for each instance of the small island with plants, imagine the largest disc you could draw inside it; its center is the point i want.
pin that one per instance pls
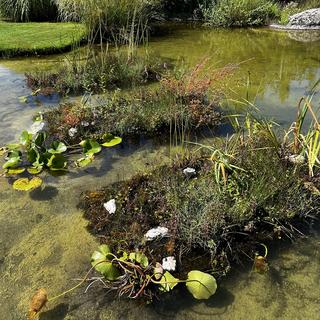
(107, 79)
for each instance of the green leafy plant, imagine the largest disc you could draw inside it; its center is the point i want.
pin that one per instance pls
(36, 152)
(239, 13)
(132, 275)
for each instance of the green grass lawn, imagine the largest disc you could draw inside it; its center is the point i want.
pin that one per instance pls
(38, 38)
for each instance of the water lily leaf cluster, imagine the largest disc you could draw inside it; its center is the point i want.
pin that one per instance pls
(38, 151)
(133, 275)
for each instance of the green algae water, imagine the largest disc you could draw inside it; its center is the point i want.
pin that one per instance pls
(43, 237)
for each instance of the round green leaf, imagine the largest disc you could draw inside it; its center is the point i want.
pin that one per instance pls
(34, 170)
(90, 146)
(57, 147)
(25, 138)
(12, 162)
(110, 140)
(101, 261)
(15, 171)
(57, 162)
(83, 162)
(24, 184)
(168, 282)
(13, 146)
(201, 285)
(140, 258)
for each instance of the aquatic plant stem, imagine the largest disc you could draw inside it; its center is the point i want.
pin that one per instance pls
(78, 285)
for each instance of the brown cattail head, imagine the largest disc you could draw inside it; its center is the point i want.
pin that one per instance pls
(38, 301)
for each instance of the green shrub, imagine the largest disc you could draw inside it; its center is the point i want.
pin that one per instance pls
(28, 10)
(239, 13)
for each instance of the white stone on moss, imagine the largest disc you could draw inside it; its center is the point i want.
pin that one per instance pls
(169, 263)
(110, 206)
(156, 232)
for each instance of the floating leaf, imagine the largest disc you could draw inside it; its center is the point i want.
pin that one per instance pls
(25, 138)
(40, 139)
(12, 162)
(13, 146)
(57, 162)
(34, 170)
(201, 285)
(33, 155)
(14, 159)
(82, 162)
(15, 171)
(101, 261)
(57, 147)
(24, 184)
(168, 282)
(110, 140)
(140, 258)
(23, 99)
(90, 146)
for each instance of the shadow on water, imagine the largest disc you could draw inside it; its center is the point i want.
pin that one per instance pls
(181, 299)
(44, 194)
(57, 313)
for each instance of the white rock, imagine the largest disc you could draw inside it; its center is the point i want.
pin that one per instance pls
(110, 206)
(169, 263)
(156, 232)
(37, 126)
(85, 123)
(189, 172)
(297, 159)
(72, 132)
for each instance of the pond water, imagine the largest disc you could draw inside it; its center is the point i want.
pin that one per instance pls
(43, 239)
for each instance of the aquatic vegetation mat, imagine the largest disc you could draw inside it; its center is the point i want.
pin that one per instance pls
(37, 151)
(210, 210)
(181, 103)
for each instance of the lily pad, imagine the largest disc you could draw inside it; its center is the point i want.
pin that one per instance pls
(168, 282)
(101, 261)
(12, 162)
(57, 147)
(110, 140)
(140, 258)
(34, 170)
(90, 146)
(201, 285)
(15, 171)
(24, 184)
(83, 162)
(25, 138)
(57, 162)
(14, 159)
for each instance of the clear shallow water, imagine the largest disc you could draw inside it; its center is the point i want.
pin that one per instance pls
(43, 240)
